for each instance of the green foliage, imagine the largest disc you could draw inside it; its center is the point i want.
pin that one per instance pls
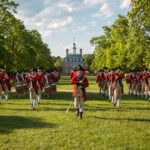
(88, 59)
(19, 47)
(58, 64)
(126, 42)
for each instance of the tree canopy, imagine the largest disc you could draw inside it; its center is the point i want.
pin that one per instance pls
(126, 42)
(20, 48)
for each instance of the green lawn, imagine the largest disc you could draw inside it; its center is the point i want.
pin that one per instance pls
(49, 128)
(64, 83)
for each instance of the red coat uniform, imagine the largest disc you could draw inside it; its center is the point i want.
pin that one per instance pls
(75, 82)
(33, 79)
(72, 74)
(2, 75)
(50, 78)
(100, 78)
(133, 78)
(144, 76)
(138, 77)
(40, 79)
(7, 82)
(110, 78)
(17, 78)
(120, 77)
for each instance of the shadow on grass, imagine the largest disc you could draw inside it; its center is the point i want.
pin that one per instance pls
(9, 123)
(121, 119)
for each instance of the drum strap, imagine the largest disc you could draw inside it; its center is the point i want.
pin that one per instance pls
(47, 79)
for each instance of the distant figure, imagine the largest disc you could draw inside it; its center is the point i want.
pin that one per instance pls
(33, 87)
(40, 85)
(2, 75)
(7, 85)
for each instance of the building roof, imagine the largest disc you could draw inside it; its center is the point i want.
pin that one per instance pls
(74, 56)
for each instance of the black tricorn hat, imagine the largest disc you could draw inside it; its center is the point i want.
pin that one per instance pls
(1, 67)
(79, 67)
(33, 69)
(105, 68)
(39, 67)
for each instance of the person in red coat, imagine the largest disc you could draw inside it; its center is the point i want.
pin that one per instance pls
(56, 75)
(133, 82)
(144, 82)
(100, 79)
(110, 79)
(2, 74)
(118, 86)
(48, 78)
(79, 94)
(7, 85)
(33, 87)
(138, 83)
(72, 73)
(40, 84)
(17, 81)
(17, 78)
(129, 82)
(105, 87)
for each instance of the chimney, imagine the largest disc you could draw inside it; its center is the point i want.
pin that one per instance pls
(67, 52)
(81, 52)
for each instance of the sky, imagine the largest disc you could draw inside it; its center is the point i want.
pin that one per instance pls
(61, 22)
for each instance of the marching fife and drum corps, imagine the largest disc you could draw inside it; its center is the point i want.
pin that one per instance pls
(110, 83)
(33, 83)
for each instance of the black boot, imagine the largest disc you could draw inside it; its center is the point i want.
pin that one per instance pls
(81, 115)
(77, 112)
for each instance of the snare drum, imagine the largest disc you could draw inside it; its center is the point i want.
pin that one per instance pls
(48, 90)
(25, 87)
(19, 88)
